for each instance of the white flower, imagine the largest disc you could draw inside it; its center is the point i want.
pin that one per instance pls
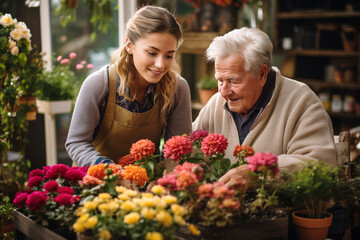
(25, 33)
(14, 51)
(15, 34)
(6, 20)
(11, 43)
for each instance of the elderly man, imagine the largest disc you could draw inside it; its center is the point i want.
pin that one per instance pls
(259, 107)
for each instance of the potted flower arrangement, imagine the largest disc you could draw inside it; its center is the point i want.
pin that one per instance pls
(311, 190)
(207, 86)
(58, 87)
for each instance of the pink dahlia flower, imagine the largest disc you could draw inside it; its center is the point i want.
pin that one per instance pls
(20, 200)
(176, 147)
(51, 186)
(214, 144)
(66, 189)
(260, 160)
(65, 199)
(190, 167)
(198, 135)
(142, 148)
(34, 181)
(56, 171)
(74, 175)
(36, 200)
(168, 181)
(36, 172)
(185, 179)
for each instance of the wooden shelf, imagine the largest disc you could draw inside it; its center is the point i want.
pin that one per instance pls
(344, 115)
(317, 52)
(317, 14)
(197, 42)
(332, 85)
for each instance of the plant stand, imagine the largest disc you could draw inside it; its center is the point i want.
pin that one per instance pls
(50, 109)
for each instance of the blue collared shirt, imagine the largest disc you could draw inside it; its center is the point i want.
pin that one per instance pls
(244, 124)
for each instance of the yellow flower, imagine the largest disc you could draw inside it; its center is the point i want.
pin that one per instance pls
(104, 196)
(123, 197)
(130, 193)
(91, 222)
(83, 218)
(128, 206)
(104, 235)
(148, 213)
(80, 211)
(157, 189)
(194, 230)
(79, 227)
(153, 236)
(147, 202)
(164, 217)
(179, 220)
(160, 203)
(113, 206)
(104, 208)
(120, 189)
(132, 218)
(147, 195)
(177, 209)
(90, 205)
(169, 199)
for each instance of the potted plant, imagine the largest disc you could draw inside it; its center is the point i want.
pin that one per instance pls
(311, 190)
(58, 87)
(207, 86)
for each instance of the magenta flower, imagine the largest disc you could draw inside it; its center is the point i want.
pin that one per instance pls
(262, 161)
(214, 144)
(56, 171)
(34, 181)
(36, 200)
(74, 175)
(51, 186)
(20, 200)
(64, 61)
(168, 181)
(65, 199)
(176, 147)
(72, 55)
(36, 172)
(90, 66)
(198, 135)
(45, 169)
(66, 189)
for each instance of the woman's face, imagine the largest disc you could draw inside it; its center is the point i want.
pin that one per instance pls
(153, 56)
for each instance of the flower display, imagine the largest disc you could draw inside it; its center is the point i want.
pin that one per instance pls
(176, 147)
(142, 148)
(222, 3)
(135, 174)
(130, 215)
(52, 195)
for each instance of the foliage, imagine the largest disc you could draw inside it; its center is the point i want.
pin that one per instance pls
(311, 187)
(67, 11)
(207, 82)
(6, 209)
(60, 83)
(20, 67)
(222, 3)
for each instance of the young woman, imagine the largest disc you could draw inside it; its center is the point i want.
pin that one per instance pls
(138, 96)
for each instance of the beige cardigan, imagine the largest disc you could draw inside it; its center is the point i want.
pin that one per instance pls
(294, 125)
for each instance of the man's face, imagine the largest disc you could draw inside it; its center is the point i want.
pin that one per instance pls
(240, 89)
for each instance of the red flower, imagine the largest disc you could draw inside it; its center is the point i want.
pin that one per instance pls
(36, 172)
(36, 200)
(66, 189)
(127, 160)
(262, 161)
(34, 181)
(74, 175)
(198, 135)
(51, 186)
(20, 200)
(176, 147)
(45, 169)
(214, 144)
(142, 148)
(244, 150)
(65, 199)
(56, 171)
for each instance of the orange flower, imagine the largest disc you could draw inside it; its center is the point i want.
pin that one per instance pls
(97, 171)
(126, 160)
(117, 169)
(142, 148)
(135, 174)
(248, 151)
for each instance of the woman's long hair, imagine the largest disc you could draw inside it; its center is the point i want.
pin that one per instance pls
(149, 19)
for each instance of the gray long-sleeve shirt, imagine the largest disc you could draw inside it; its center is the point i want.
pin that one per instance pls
(86, 117)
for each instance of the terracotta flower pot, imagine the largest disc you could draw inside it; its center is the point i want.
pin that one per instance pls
(31, 102)
(310, 228)
(206, 94)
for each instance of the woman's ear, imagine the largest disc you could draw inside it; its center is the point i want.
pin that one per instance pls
(128, 46)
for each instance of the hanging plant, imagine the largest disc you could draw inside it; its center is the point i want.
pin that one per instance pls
(67, 10)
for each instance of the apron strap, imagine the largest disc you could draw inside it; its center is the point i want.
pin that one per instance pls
(112, 83)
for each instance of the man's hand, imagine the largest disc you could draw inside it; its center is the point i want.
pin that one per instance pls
(235, 174)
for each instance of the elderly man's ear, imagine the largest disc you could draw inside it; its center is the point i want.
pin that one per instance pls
(263, 74)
